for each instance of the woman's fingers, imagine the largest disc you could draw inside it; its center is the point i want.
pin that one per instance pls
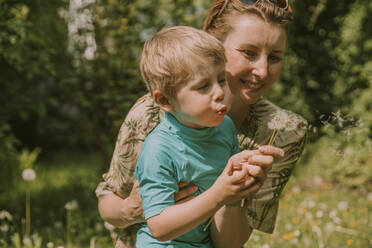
(272, 150)
(184, 191)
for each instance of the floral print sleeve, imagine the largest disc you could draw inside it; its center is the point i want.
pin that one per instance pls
(264, 207)
(140, 121)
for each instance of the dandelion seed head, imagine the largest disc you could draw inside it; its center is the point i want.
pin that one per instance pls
(296, 189)
(319, 214)
(5, 215)
(28, 174)
(108, 226)
(4, 228)
(266, 246)
(71, 205)
(369, 196)
(333, 214)
(343, 205)
(330, 227)
(50, 245)
(281, 121)
(58, 224)
(255, 237)
(27, 241)
(311, 204)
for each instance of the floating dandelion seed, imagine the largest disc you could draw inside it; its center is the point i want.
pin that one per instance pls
(28, 174)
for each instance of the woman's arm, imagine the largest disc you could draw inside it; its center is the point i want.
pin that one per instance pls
(128, 211)
(121, 212)
(230, 228)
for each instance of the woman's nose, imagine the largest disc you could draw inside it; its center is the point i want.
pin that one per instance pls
(260, 69)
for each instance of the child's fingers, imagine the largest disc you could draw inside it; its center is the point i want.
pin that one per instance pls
(256, 172)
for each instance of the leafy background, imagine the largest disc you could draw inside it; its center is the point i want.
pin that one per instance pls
(69, 74)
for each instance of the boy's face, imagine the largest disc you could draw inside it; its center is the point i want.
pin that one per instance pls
(204, 100)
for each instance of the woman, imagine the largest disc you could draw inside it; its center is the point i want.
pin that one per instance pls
(254, 35)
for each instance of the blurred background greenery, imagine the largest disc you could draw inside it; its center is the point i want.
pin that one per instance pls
(69, 74)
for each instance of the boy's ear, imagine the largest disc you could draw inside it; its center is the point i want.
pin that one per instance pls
(162, 100)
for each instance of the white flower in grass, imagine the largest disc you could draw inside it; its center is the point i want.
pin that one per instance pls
(4, 228)
(5, 215)
(108, 226)
(71, 205)
(319, 214)
(50, 245)
(297, 233)
(28, 174)
(27, 241)
(343, 206)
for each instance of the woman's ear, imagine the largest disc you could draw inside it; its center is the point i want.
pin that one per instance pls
(162, 100)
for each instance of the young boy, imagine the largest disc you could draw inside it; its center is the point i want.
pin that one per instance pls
(184, 70)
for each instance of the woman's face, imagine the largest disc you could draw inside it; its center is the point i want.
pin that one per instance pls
(254, 51)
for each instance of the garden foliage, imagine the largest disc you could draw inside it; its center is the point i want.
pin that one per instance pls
(69, 69)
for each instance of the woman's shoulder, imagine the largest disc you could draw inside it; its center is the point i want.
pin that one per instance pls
(144, 115)
(294, 126)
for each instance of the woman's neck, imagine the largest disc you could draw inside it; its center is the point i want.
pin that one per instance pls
(238, 112)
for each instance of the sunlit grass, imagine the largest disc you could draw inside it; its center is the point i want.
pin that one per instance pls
(317, 213)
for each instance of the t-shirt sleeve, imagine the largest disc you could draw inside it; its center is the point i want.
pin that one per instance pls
(157, 180)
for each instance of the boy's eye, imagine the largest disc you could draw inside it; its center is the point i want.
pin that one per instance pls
(203, 87)
(222, 81)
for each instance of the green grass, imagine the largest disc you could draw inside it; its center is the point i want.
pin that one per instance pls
(317, 213)
(312, 213)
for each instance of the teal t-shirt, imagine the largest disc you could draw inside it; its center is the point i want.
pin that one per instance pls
(173, 153)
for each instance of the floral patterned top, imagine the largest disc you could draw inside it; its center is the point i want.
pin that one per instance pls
(262, 211)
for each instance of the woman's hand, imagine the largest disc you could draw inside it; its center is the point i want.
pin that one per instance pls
(185, 191)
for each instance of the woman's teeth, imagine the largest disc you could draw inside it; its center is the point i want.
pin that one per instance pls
(252, 85)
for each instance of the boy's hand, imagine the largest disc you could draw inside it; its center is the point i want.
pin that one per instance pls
(246, 172)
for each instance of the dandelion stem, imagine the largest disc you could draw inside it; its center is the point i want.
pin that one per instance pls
(208, 224)
(68, 215)
(273, 136)
(28, 213)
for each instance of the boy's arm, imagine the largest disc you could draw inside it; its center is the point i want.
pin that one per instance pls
(229, 187)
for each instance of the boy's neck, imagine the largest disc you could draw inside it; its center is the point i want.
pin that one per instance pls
(238, 112)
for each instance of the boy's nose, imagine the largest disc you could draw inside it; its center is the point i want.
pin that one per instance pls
(219, 93)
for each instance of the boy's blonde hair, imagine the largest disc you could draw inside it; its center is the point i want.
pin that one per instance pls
(173, 55)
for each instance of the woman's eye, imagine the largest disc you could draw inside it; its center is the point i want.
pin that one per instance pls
(249, 53)
(274, 59)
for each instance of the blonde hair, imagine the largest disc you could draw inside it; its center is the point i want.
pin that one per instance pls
(173, 55)
(218, 21)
